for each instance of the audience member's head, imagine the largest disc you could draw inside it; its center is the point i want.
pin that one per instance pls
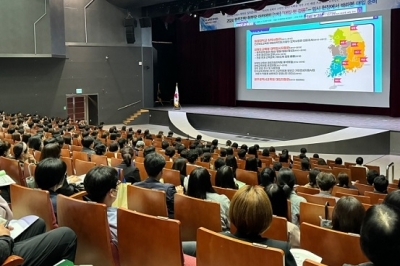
(277, 166)
(192, 156)
(206, 157)
(278, 200)
(222, 153)
(51, 150)
(305, 164)
(315, 156)
(242, 154)
(164, 144)
(170, 152)
(250, 211)
(224, 178)
(326, 181)
(265, 152)
(50, 174)
(229, 151)
(343, 180)
(371, 175)
(303, 151)
(35, 143)
(199, 183)
(321, 161)
(87, 142)
(286, 180)
(180, 165)
(101, 184)
(284, 158)
(148, 150)
(100, 149)
(235, 145)
(251, 164)
(381, 184)
(127, 155)
(338, 160)
(380, 234)
(272, 149)
(393, 199)
(218, 163)
(114, 147)
(267, 176)
(20, 151)
(359, 161)
(348, 215)
(154, 164)
(231, 161)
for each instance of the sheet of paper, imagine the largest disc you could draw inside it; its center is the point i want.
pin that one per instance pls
(300, 255)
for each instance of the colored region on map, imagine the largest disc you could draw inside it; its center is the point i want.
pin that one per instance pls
(348, 51)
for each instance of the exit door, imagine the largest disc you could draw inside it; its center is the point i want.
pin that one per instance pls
(83, 107)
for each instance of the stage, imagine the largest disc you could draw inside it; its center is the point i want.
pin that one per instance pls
(332, 133)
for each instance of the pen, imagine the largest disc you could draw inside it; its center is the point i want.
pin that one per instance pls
(6, 224)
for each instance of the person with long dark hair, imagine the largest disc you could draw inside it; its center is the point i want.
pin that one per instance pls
(131, 173)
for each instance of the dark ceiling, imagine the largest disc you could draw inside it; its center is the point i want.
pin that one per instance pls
(136, 3)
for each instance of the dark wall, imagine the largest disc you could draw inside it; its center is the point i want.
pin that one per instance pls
(17, 19)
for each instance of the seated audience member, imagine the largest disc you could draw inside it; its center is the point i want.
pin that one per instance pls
(148, 150)
(359, 163)
(392, 199)
(113, 147)
(265, 152)
(206, 157)
(251, 213)
(231, 161)
(343, 181)
(284, 158)
(326, 182)
(38, 247)
(21, 154)
(312, 178)
(272, 150)
(224, 178)
(192, 156)
(338, 161)
(139, 147)
(164, 145)
(200, 187)
(131, 173)
(121, 143)
(286, 180)
(267, 176)
(321, 161)
(35, 143)
(88, 143)
(253, 151)
(305, 164)
(242, 154)
(235, 145)
(100, 149)
(214, 145)
(380, 234)
(170, 134)
(371, 176)
(51, 150)
(222, 153)
(302, 156)
(286, 151)
(315, 156)
(170, 152)
(244, 147)
(154, 164)
(180, 165)
(303, 151)
(218, 163)
(348, 215)
(184, 153)
(50, 175)
(280, 208)
(228, 143)
(381, 184)
(277, 166)
(229, 151)
(251, 164)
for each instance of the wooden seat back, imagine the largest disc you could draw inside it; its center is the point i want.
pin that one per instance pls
(172, 176)
(13, 170)
(99, 159)
(147, 201)
(373, 167)
(76, 147)
(362, 188)
(358, 173)
(134, 243)
(28, 201)
(37, 155)
(204, 164)
(142, 170)
(247, 177)
(310, 213)
(375, 197)
(362, 199)
(82, 167)
(194, 213)
(78, 155)
(309, 262)
(306, 190)
(13, 260)
(337, 171)
(139, 159)
(190, 168)
(332, 246)
(213, 174)
(318, 199)
(301, 176)
(337, 189)
(215, 249)
(115, 162)
(65, 153)
(277, 230)
(225, 191)
(89, 221)
(70, 166)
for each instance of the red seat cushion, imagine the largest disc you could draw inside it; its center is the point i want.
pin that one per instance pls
(189, 260)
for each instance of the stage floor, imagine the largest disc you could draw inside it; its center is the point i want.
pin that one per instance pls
(319, 118)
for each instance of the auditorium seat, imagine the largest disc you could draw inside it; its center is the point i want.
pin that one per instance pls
(171, 176)
(310, 213)
(78, 155)
(13, 260)
(13, 170)
(309, 262)
(89, 221)
(358, 173)
(225, 191)
(373, 167)
(247, 177)
(65, 153)
(213, 174)
(70, 166)
(337, 189)
(134, 243)
(142, 170)
(194, 213)
(190, 168)
(362, 188)
(301, 177)
(337, 170)
(204, 164)
(317, 199)
(336, 248)
(277, 230)
(28, 201)
(375, 197)
(147, 201)
(99, 159)
(215, 249)
(362, 199)
(114, 162)
(82, 167)
(307, 190)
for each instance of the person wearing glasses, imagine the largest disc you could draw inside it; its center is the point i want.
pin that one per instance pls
(101, 184)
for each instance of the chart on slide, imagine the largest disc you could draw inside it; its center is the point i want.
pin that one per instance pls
(343, 55)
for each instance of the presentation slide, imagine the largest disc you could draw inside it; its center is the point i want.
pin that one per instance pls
(338, 55)
(341, 60)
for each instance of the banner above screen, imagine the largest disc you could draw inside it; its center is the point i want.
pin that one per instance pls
(307, 9)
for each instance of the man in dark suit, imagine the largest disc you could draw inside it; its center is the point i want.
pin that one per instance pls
(154, 164)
